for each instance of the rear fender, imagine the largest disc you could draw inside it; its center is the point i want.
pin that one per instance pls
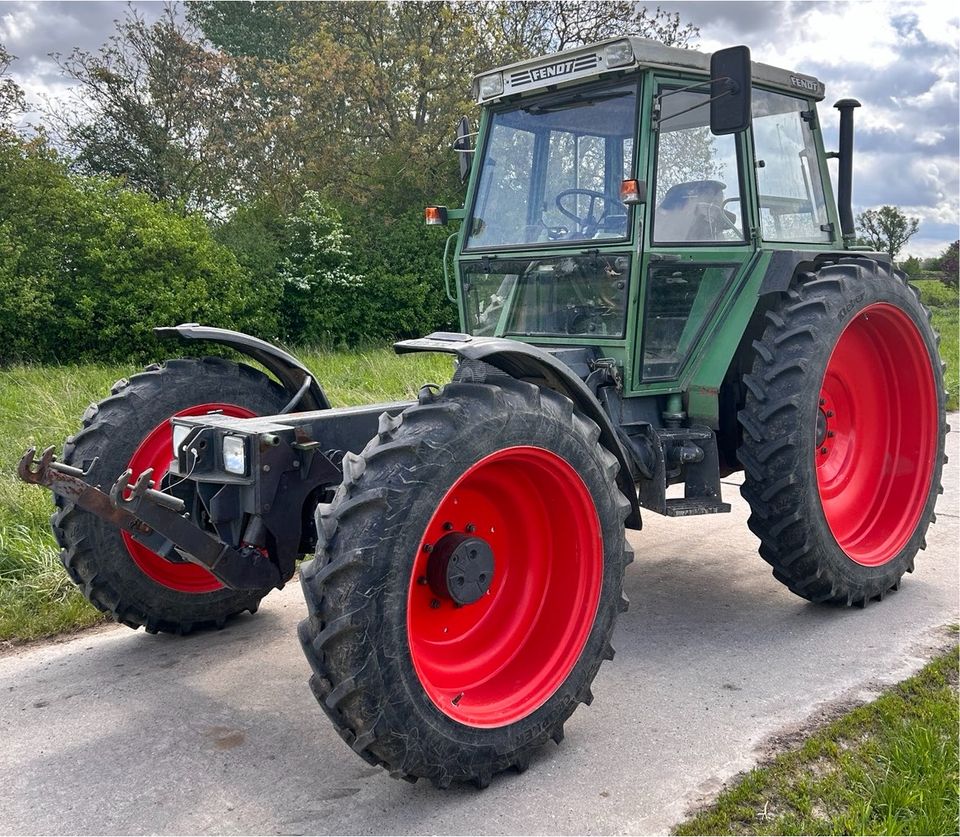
(283, 366)
(530, 363)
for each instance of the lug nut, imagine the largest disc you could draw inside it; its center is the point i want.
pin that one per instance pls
(829, 413)
(428, 547)
(823, 450)
(471, 527)
(831, 434)
(435, 603)
(422, 580)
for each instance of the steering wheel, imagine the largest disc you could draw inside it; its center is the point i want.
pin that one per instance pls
(587, 224)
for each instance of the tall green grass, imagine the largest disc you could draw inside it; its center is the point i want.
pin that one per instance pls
(42, 405)
(944, 303)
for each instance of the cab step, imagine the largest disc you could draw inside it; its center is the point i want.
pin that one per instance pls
(689, 506)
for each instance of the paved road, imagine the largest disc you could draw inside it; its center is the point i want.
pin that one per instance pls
(123, 732)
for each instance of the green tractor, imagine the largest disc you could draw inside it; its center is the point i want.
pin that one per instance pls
(656, 288)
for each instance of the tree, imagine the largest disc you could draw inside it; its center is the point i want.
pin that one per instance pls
(361, 105)
(514, 31)
(949, 269)
(11, 96)
(886, 229)
(912, 266)
(159, 108)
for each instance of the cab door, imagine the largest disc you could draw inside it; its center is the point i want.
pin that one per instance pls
(697, 235)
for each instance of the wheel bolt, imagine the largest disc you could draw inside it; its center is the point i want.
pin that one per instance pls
(823, 450)
(823, 401)
(471, 527)
(829, 413)
(447, 526)
(831, 434)
(434, 603)
(422, 580)
(428, 547)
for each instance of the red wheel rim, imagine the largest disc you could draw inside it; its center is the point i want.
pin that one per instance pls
(495, 661)
(876, 434)
(156, 451)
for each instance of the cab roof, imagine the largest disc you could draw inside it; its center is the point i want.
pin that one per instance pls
(604, 57)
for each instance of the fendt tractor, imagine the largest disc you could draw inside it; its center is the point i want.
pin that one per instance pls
(655, 288)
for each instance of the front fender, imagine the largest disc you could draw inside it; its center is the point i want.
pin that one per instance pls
(284, 366)
(533, 364)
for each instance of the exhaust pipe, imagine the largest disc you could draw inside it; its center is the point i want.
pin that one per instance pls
(845, 174)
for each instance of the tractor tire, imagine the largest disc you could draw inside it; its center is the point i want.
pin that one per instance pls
(419, 676)
(118, 575)
(843, 432)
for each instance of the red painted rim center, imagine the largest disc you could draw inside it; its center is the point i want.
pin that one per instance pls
(879, 423)
(156, 451)
(495, 661)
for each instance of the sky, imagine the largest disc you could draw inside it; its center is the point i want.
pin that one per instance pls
(899, 59)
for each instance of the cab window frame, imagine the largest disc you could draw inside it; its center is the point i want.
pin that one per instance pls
(653, 243)
(829, 236)
(470, 248)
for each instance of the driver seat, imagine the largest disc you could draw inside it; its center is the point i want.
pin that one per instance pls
(679, 217)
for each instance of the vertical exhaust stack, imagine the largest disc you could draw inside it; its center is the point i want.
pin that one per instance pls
(845, 174)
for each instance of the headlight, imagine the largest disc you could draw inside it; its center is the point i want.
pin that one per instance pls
(618, 54)
(180, 432)
(234, 455)
(491, 85)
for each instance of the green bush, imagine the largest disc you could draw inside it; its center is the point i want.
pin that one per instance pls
(88, 268)
(936, 294)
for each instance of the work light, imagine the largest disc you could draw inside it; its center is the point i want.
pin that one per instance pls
(234, 455)
(491, 85)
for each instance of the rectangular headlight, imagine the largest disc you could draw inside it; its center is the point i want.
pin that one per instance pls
(618, 54)
(491, 85)
(234, 455)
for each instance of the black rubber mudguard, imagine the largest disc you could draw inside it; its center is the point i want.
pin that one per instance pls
(531, 363)
(282, 365)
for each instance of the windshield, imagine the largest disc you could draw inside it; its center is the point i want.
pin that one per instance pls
(551, 170)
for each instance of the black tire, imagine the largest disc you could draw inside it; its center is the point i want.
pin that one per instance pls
(355, 637)
(782, 438)
(92, 551)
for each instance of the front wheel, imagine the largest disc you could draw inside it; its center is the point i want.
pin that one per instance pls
(844, 429)
(131, 429)
(467, 579)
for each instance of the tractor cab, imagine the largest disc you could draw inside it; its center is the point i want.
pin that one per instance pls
(618, 200)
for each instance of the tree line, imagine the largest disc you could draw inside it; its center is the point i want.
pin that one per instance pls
(260, 166)
(257, 166)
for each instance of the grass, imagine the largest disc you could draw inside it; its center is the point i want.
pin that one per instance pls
(944, 304)
(42, 405)
(889, 767)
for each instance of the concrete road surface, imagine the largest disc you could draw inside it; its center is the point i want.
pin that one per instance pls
(116, 731)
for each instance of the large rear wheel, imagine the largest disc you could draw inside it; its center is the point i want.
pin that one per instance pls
(467, 578)
(131, 429)
(844, 428)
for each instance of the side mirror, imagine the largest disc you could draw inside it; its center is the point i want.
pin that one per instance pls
(730, 85)
(464, 147)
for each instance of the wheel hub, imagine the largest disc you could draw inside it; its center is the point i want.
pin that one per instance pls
(460, 567)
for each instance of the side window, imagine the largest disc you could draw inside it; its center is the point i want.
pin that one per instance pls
(792, 203)
(697, 198)
(680, 300)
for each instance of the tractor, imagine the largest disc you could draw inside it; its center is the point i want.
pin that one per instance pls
(655, 288)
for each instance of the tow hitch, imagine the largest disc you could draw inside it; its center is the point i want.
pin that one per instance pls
(158, 520)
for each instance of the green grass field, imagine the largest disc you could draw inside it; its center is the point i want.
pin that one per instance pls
(889, 767)
(42, 405)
